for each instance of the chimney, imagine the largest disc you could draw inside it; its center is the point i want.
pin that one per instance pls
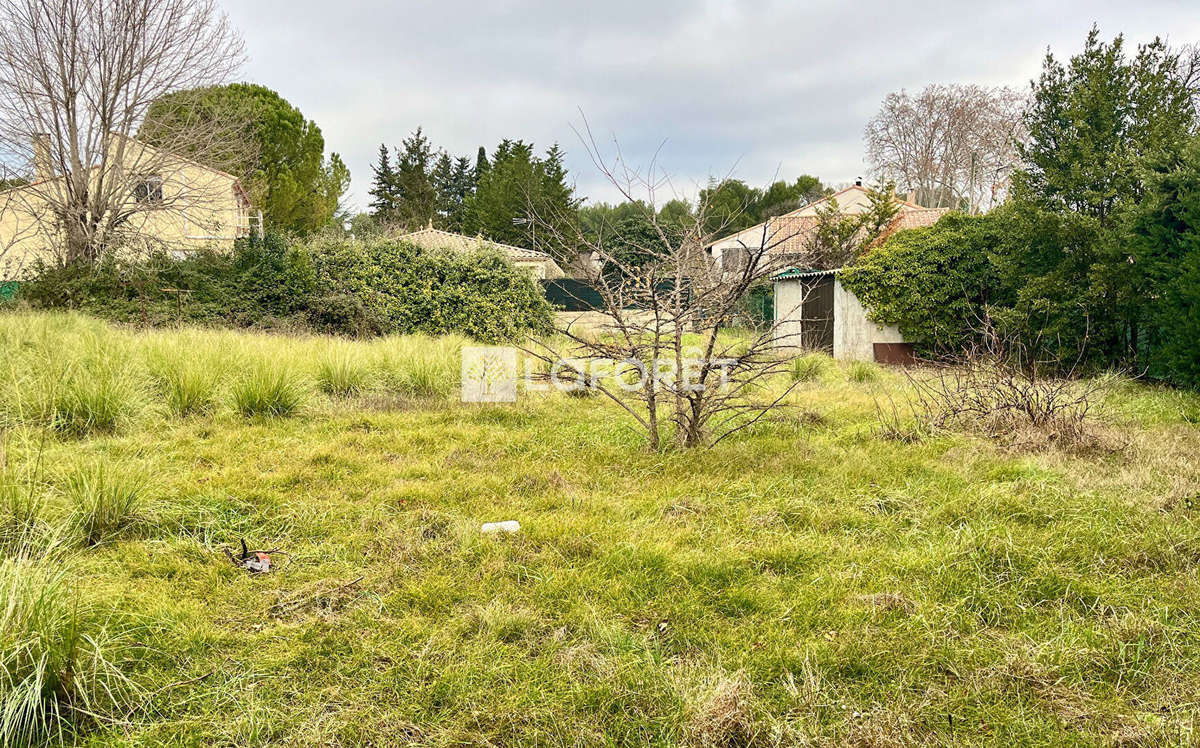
(43, 164)
(912, 196)
(858, 182)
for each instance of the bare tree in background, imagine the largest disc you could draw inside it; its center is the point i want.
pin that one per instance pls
(667, 306)
(76, 80)
(954, 146)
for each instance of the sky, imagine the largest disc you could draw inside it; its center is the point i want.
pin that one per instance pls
(756, 90)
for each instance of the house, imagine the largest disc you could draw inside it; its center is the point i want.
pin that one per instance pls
(166, 202)
(539, 264)
(815, 312)
(787, 236)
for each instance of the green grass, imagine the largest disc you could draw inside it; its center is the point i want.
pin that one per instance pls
(268, 390)
(806, 581)
(343, 373)
(105, 501)
(60, 671)
(861, 372)
(810, 367)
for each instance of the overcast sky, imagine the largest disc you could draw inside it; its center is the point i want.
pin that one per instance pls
(756, 89)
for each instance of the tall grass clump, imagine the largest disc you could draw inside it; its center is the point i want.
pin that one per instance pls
(91, 397)
(420, 366)
(188, 385)
(862, 372)
(59, 666)
(809, 367)
(342, 373)
(106, 500)
(22, 511)
(268, 390)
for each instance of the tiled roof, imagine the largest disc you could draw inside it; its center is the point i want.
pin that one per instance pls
(436, 238)
(790, 235)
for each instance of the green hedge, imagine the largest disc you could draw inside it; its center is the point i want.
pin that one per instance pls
(934, 283)
(341, 287)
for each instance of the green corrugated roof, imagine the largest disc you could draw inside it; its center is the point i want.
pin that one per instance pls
(791, 273)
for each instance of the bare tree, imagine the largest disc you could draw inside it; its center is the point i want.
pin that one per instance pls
(664, 352)
(954, 145)
(76, 80)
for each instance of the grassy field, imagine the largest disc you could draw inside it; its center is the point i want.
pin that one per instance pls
(809, 581)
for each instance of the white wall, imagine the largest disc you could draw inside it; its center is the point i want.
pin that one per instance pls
(854, 334)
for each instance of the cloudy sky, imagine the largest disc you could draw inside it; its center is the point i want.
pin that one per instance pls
(756, 89)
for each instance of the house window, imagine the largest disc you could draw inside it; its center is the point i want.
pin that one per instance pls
(149, 191)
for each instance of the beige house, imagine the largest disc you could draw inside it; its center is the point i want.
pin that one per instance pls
(539, 264)
(168, 202)
(787, 235)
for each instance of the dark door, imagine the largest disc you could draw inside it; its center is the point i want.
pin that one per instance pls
(816, 326)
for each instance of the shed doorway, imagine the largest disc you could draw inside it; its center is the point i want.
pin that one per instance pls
(816, 314)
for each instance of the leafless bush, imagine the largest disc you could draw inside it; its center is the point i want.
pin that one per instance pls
(997, 387)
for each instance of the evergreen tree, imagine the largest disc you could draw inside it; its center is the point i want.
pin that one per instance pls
(1092, 122)
(383, 187)
(286, 172)
(481, 165)
(519, 195)
(416, 198)
(442, 178)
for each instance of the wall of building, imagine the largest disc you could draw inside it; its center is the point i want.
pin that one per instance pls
(789, 295)
(200, 208)
(854, 334)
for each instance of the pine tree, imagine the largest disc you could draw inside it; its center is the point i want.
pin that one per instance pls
(442, 179)
(383, 189)
(416, 198)
(481, 166)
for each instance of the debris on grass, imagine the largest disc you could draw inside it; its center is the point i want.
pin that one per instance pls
(507, 526)
(255, 562)
(326, 598)
(724, 714)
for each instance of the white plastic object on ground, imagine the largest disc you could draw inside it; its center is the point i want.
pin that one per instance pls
(509, 526)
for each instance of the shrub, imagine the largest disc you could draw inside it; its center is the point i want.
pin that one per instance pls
(58, 667)
(337, 286)
(404, 289)
(268, 391)
(809, 367)
(105, 501)
(932, 282)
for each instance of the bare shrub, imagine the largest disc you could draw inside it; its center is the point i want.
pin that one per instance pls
(996, 387)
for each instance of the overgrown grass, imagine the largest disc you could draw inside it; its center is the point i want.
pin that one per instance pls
(105, 501)
(60, 669)
(342, 373)
(811, 580)
(810, 367)
(189, 386)
(861, 372)
(269, 390)
(421, 367)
